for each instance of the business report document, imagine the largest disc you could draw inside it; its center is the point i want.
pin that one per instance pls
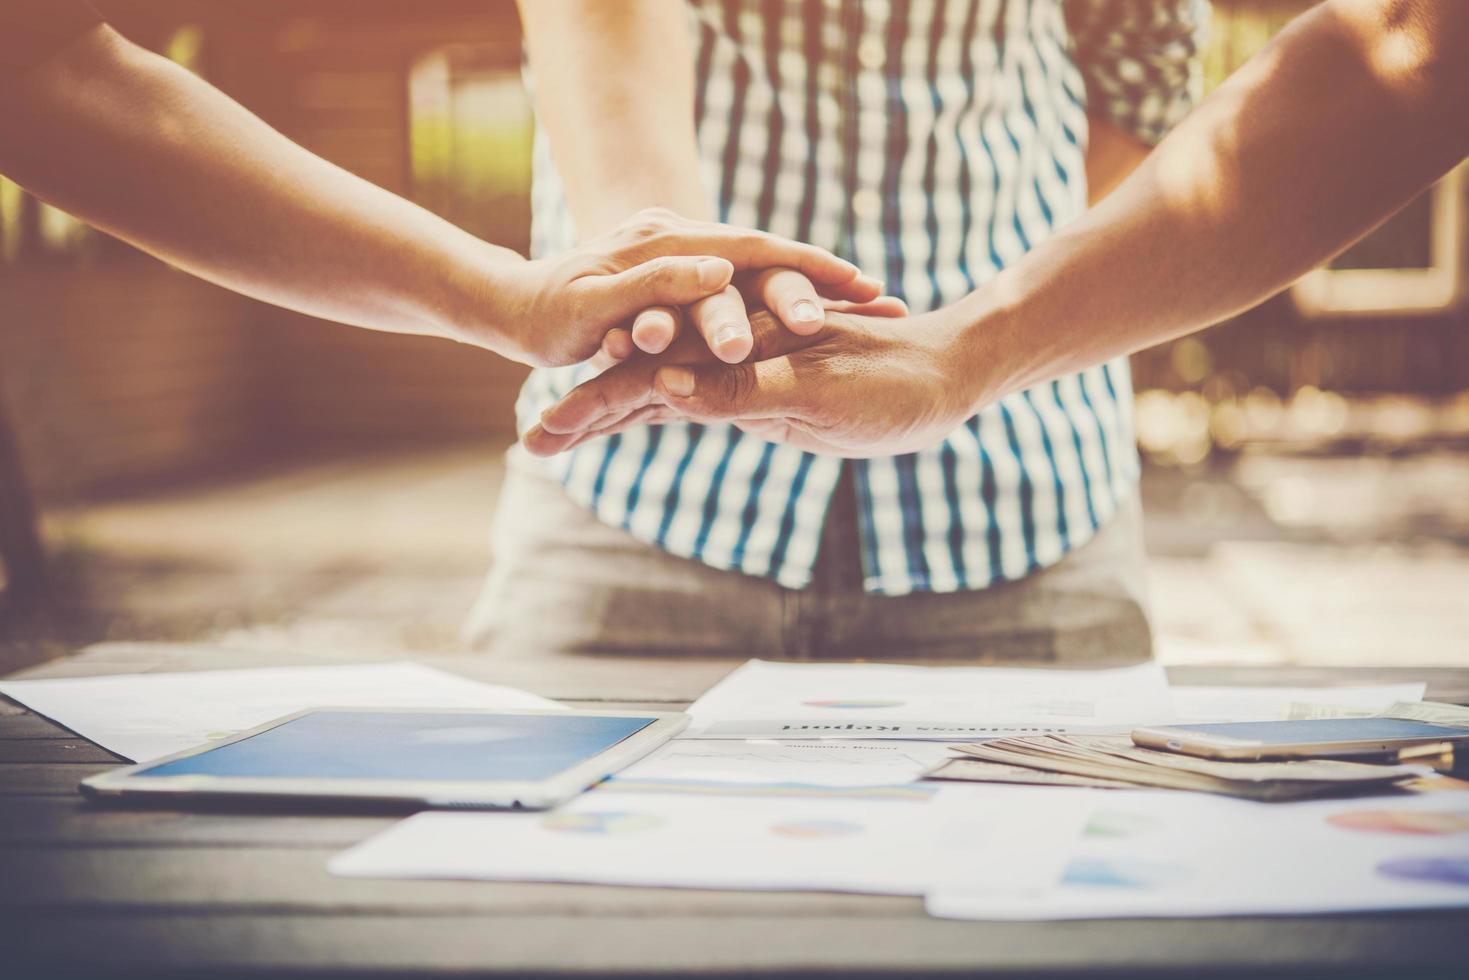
(1151, 854)
(963, 837)
(893, 701)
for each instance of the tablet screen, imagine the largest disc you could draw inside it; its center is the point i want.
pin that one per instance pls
(405, 745)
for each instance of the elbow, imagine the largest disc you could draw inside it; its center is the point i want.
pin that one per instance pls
(1420, 49)
(1413, 53)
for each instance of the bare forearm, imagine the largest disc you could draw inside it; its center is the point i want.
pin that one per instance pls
(1343, 119)
(615, 90)
(144, 150)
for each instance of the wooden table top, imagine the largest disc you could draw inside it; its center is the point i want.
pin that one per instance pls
(96, 892)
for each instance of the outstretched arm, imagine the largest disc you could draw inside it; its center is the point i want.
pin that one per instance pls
(143, 149)
(1351, 111)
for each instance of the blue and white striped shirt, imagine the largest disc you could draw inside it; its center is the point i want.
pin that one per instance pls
(932, 142)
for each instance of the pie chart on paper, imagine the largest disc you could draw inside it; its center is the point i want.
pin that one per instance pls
(1098, 872)
(603, 823)
(1423, 823)
(1121, 823)
(1434, 870)
(816, 829)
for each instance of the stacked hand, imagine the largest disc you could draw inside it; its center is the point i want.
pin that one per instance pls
(634, 288)
(859, 386)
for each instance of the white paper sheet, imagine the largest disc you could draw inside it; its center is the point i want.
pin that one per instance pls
(890, 701)
(767, 765)
(1160, 854)
(147, 716)
(691, 841)
(1015, 840)
(1194, 705)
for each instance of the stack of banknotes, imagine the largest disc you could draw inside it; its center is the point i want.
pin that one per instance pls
(1113, 761)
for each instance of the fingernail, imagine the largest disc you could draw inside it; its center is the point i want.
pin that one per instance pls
(713, 273)
(653, 334)
(677, 381)
(727, 334)
(806, 311)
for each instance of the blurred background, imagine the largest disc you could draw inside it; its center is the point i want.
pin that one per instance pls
(201, 467)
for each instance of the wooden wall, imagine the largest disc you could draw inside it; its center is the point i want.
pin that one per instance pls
(118, 375)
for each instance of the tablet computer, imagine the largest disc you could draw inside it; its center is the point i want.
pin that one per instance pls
(419, 757)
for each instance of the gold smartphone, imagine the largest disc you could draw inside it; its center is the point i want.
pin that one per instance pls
(1312, 738)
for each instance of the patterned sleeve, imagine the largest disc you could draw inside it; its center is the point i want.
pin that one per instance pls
(1140, 59)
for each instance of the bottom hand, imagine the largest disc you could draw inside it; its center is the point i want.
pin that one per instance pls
(861, 386)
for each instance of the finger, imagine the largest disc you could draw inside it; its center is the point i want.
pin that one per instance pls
(725, 326)
(754, 390)
(647, 415)
(667, 281)
(750, 249)
(793, 298)
(616, 347)
(657, 232)
(773, 338)
(889, 306)
(655, 328)
(618, 344)
(616, 392)
(539, 442)
(863, 289)
(624, 388)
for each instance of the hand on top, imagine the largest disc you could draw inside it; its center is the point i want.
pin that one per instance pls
(627, 290)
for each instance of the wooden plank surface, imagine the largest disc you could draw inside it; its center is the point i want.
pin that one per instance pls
(46, 779)
(256, 942)
(101, 892)
(661, 680)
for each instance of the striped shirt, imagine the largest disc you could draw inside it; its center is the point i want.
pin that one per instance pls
(932, 142)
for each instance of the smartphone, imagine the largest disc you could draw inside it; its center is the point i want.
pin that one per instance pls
(1312, 738)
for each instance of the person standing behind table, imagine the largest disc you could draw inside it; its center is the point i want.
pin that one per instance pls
(141, 148)
(1341, 120)
(936, 141)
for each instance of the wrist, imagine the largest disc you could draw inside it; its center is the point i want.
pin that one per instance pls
(1013, 337)
(485, 287)
(980, 351)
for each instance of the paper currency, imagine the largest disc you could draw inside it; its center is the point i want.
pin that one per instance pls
(1116, 758)
(1305, 710)
(982, 771)
(1433, 712)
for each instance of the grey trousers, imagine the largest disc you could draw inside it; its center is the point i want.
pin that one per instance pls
(563, 581)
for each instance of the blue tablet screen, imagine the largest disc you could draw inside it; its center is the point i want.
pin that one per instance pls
(405, 745)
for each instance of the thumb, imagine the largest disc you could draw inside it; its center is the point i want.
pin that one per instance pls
(751, 390)
(667, 281)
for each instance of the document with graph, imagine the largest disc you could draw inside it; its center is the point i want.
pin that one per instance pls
(893, 701)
